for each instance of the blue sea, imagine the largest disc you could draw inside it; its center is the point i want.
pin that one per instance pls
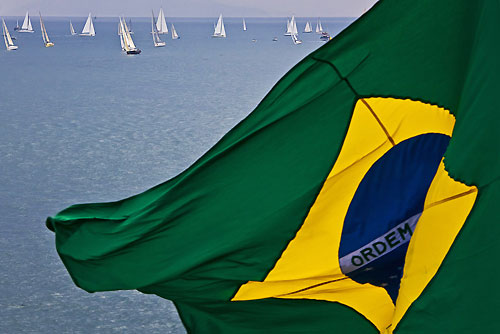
(83, 122)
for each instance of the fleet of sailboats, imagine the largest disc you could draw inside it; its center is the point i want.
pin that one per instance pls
(26, 27)
(161, 23)
(158, 27)
(71, 29)
(9, 44)
(88, 29)
(126, 39)
(45, 37)
(154, 32)
(219, 30)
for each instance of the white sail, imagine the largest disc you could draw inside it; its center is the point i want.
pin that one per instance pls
(128, 38)
(6, 33)
(308, 28)
(174, 33)
(5, 36)
(88, 29)
(161, 23)
(293, 24)
(288, 31)
(9, 44)
(296, 40)
(45, 36)
(71, 29)
(120, 34)
(319, 28)
(27, 27)
(123, 36)
(42, 28)
(244, 25)
(219, 31)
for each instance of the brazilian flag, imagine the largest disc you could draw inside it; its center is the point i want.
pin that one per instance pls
(360, 196)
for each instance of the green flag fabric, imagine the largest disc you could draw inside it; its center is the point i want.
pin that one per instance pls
(360, 196)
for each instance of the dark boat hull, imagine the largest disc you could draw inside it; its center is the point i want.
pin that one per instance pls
(134, 52)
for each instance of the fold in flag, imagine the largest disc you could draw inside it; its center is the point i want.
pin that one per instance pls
(360, 196)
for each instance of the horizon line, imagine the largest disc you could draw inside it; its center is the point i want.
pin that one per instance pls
(192, 17)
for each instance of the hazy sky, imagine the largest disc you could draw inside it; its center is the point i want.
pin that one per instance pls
(187, 8)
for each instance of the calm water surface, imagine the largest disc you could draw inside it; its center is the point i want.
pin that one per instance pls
(82, 122)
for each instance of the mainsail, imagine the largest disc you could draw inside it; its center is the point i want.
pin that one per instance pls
(319, 28)
(244, 25)
(288, 31)
(27, 27)
(46, 40)
(219, 30)
(71, 29)
(308, 27)
(291, 27)
(161, 23)
(88, 29)
(9, 44)
(293, 23)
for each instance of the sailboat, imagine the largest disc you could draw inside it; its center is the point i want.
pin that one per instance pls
(296, 40)
(88, 29)
(6, 37)
(219, 30)
(71, 29)
(161, 23)
(292, 27)
(156, 38)
(17, 27)
(126, 39)
(175, 35)
(26, 27)
(46, 40)
(244, 25)
(308, 27)
(319, 28)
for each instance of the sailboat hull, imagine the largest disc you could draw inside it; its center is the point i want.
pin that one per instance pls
(218, 36)
(30, 31)
(134, 52)
(160, 44)
(12, 47)
(49, 44)
(87, 35)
